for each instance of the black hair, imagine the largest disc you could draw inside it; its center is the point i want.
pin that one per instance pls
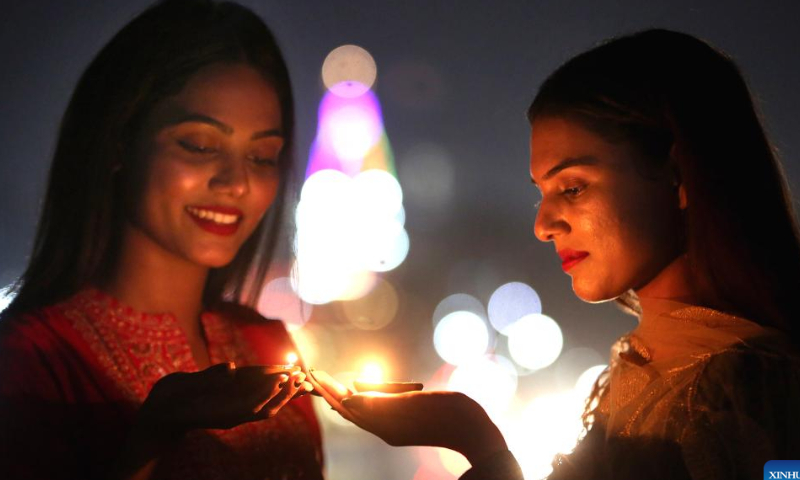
(677, 99)
(150, 59)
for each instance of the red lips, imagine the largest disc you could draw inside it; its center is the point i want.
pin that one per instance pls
(570, 258)
(217, 219)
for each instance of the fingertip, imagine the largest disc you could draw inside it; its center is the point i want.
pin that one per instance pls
(354, 402)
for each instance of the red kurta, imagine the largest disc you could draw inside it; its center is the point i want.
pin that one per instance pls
(72, 376)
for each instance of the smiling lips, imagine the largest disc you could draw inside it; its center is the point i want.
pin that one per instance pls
(216, 219)
(570, 258)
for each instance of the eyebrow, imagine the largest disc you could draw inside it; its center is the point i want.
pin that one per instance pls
(586, 160)
(226, 129)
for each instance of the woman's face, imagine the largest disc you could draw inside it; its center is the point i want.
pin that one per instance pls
(211, 165)
(613, 228)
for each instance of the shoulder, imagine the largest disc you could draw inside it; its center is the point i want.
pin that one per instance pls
(769, 361)
(31, 345)
(25, 332)
(743, 408)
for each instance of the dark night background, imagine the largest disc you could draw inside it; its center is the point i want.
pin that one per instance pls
(454, 77)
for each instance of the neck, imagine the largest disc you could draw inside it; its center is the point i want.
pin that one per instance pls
(671, 283)
(151, 279)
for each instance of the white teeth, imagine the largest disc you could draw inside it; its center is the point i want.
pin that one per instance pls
(215, 217)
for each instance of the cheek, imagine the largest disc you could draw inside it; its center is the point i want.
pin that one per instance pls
(177, 180)
(264, 192)
(169, 179)
(617, 251)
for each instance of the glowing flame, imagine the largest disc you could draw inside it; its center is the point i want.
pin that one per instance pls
(372, 372)
(291, 358)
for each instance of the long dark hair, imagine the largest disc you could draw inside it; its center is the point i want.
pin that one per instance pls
(151, 58)
(677, 99)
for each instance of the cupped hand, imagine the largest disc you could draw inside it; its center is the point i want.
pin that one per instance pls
(438, 418)
(221, 396)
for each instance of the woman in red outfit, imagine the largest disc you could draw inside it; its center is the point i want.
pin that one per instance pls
(126, 352)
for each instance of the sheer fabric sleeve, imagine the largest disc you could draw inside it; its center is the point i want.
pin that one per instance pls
(744, 413)
(741, 412)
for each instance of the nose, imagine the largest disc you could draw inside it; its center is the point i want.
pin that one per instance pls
(549, 222)
(231, 178)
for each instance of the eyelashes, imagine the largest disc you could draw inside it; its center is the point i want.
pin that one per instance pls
(191, 147)
(568, 192)
(573, 191)
(264, 161)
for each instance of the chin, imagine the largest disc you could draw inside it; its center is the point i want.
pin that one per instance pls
(216, 260)
(595, 293)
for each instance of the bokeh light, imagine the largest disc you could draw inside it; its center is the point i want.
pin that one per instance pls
(279, 301)
(586, 381)
(350, 218)
(5, 297)
(431, 465)
(346, 227)
(307, 345)
(534, 341)
(511, 302)
(458, 302)
(550, 424)
(453, 462)
(460, 337)
(347, 131)
(349, 71)
(490, 380)
(572, 363)
(374, 310)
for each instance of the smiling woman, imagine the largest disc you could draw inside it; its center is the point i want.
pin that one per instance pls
(129, 350)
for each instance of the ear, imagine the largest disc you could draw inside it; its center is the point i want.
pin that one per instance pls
(682, 202)
(677, 181)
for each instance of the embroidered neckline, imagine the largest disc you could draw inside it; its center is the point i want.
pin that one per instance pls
(138, 348)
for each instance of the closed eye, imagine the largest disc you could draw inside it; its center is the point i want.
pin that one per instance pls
(191, 147)
(264, 161)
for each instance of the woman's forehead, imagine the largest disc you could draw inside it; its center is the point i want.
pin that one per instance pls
(557, 144)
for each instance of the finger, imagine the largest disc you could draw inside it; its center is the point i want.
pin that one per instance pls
(325, 393)
(259, 399)
(389, 405)
(330, 384)
(257, 381)
(332, 400)
(287, 392)
(304, 390)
